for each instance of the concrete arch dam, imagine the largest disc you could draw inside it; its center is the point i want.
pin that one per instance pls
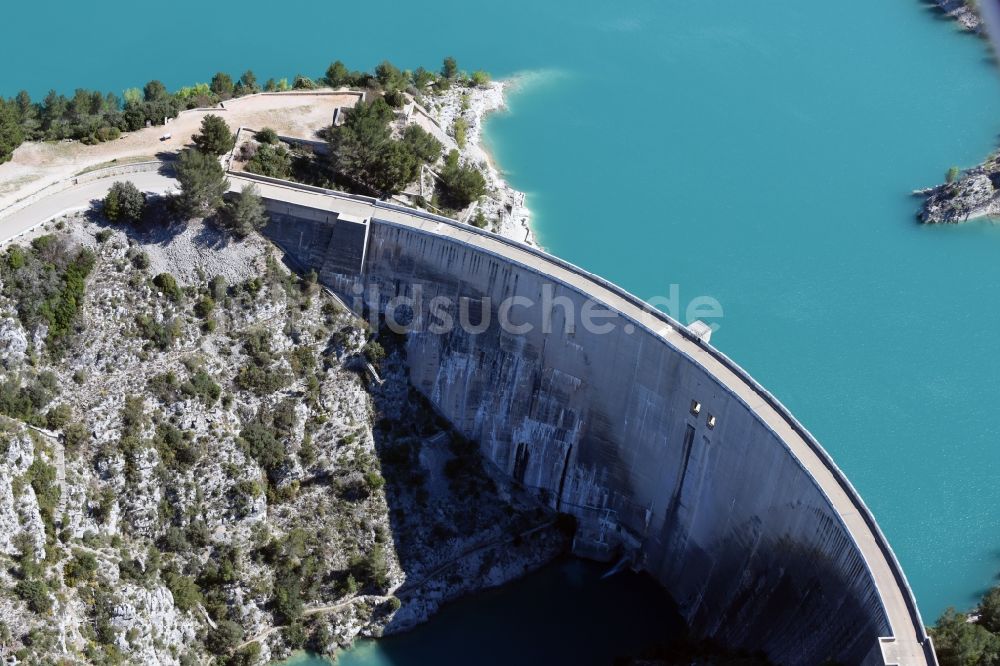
(662, 448)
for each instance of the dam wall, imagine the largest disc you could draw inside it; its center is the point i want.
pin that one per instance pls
(627, 429)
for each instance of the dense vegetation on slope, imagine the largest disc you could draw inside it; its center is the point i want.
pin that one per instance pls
(363, 151)
(46, 280)
(970, 639)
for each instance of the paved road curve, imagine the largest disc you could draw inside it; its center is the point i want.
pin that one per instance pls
(73, 200)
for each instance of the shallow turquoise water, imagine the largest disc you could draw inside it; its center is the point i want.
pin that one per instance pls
(760, 153)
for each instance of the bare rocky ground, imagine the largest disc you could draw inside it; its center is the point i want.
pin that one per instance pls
(208, 476)
(962, 11)
(975, 193)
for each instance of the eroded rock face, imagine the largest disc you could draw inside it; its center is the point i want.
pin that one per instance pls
(13, 343)
(18, 513)
(147, 620)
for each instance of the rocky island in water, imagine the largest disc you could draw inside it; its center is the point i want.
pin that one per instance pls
(973, 193)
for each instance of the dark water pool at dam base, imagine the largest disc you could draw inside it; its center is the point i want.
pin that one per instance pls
(565, 614)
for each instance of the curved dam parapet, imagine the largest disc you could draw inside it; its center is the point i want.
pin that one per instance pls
(664, 449)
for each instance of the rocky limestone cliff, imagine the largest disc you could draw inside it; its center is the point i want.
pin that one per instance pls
(201, 466)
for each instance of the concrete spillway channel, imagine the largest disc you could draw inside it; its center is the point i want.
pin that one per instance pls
(664, 450)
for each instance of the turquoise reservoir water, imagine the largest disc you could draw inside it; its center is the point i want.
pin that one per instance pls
(760, 153)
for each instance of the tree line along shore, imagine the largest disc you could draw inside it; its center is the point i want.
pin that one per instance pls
(92, 116)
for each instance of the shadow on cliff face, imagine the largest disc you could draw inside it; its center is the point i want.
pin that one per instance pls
(457, 523)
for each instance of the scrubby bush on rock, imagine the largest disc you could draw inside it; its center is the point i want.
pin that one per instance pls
(124, 203)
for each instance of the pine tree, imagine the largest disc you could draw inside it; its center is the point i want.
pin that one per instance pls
(215, 137)
(11, 134)
(203, 183)
(246, 213)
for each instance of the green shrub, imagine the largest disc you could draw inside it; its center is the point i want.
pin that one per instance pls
(245, 213)
(460, 185)
(203, 386)
(166, 283)
(273, 161)
(58, 416)
(372, 569)
(261, 443)
(75, 435)
(374, 352)
(48, 283)
(203, 183)
(479, 221)
(374, 480)
(42, 477)
(107, 134)
(287, 596)
(459, 130)
(261, 381)
(161, 334)
(267, 135)
(218, 288)
(222, 85)
(395, 99)
(303, 83)
(36, 594)
(203, 308)
(124, 202)
(302, 360)
(187, 594)
(80, 569)
(225, 638)
(295, 636)
(11, 134)
(174, 446)
(422, 143)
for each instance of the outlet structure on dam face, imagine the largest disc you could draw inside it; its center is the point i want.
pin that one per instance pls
(664, 450)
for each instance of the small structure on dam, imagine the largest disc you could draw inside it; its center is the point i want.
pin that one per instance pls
(664, 450)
